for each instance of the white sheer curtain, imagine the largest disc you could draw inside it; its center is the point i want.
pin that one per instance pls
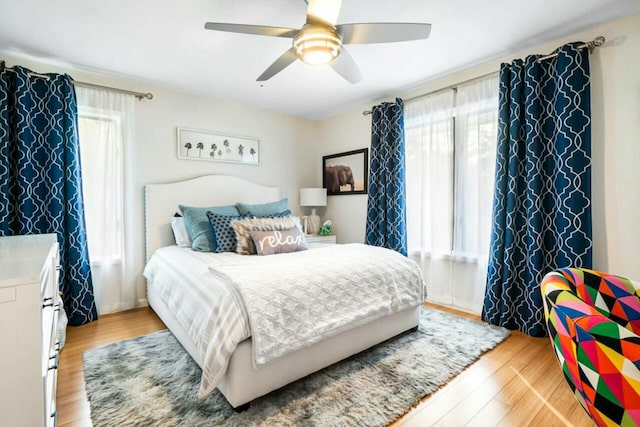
(429, 174)
(451, 140)
(476, 138)
(106, 133)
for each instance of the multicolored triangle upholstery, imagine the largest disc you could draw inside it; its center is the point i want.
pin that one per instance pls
(594, 325)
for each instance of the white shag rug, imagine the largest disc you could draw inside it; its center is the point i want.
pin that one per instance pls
(152, 381)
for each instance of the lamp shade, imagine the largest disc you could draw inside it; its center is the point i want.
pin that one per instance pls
(313, 197)
(317, 45)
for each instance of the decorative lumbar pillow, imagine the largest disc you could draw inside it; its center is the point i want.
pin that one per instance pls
(264, 209)
(245, 244)
(180, 232)
(224, 236)
(195, 218)
(278, 241)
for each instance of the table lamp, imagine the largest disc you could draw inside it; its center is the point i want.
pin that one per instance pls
(313, 197)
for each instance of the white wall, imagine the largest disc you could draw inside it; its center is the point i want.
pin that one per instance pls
(344, 132)
(615, 103)
(292, 148)
(286, 144)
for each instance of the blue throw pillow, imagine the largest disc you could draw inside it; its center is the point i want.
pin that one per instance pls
(282, 214)
(197, 223)
(264, 209)
(224, 236)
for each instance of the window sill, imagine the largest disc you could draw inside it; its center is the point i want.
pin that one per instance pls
(446, 257)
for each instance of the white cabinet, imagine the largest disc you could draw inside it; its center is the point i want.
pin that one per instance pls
(29, 305)
(315, 241)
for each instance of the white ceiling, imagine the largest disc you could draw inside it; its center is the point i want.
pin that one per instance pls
(164, 42)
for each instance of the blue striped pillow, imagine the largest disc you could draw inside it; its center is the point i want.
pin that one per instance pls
(261, 210)
(282, 214)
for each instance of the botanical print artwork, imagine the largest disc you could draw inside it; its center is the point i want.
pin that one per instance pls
(206, 145)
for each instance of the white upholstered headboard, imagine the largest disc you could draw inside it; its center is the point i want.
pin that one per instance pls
(161, 202)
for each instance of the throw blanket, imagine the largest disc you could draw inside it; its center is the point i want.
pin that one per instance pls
(296, 299)
(208, 309)
(205, 292)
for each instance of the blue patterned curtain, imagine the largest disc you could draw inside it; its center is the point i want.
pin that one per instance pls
(386, 207)
(542, 201)
(40, 182)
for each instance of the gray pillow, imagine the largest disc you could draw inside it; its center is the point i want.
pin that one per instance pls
(264, 209)
(278, 241)
(245, 245)
(195, 218)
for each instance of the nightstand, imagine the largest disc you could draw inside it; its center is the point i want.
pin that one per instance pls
(318, 240)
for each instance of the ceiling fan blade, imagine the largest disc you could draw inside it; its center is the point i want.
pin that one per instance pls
(323, 12)
(346, 67)
(252, 29)
(382, 32)
(280, 64)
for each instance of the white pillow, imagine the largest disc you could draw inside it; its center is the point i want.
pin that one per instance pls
(180, 232)
(298, 222)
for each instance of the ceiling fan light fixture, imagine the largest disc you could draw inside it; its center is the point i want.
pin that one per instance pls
(317, 45)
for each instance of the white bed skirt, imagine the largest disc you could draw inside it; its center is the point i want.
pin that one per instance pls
(243, 383)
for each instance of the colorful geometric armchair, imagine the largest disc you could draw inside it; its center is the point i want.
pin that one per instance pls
(594, 325)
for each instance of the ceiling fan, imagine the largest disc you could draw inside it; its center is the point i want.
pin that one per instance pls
(321, 41)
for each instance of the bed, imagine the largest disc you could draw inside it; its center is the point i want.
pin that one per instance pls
(243, 380)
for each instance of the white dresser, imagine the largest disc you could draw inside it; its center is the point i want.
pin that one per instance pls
(29, 270)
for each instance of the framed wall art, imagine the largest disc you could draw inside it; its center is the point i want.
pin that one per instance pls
(194, 144)
(346, 173)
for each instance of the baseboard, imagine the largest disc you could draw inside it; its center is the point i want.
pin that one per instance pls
(142, 302)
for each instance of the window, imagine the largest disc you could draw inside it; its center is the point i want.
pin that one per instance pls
(101, 160)
(429, 126)
(451, 145)
(105, 128)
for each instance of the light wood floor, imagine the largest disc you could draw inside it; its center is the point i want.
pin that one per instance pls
(518, 383)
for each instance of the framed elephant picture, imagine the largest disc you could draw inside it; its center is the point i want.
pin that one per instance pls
(345, 173)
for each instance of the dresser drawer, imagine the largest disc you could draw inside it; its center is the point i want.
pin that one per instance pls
(50, 276)
(50, 385)
(7, 294)
(56, 271)
(46, 283)
(50, 344)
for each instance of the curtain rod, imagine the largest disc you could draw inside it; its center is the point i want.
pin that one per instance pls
(453, 86)
(597, 42)
(139, 95)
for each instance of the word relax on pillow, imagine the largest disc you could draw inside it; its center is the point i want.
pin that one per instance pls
(278, 241)
(242, 228)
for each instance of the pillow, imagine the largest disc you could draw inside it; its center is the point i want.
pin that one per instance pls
(278, 241)
(264, 209)
(282, 214)
(195, 218)
(245, 244)
(224, 237)
(180, 232)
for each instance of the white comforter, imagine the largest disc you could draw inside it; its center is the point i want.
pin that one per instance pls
(290, 300)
